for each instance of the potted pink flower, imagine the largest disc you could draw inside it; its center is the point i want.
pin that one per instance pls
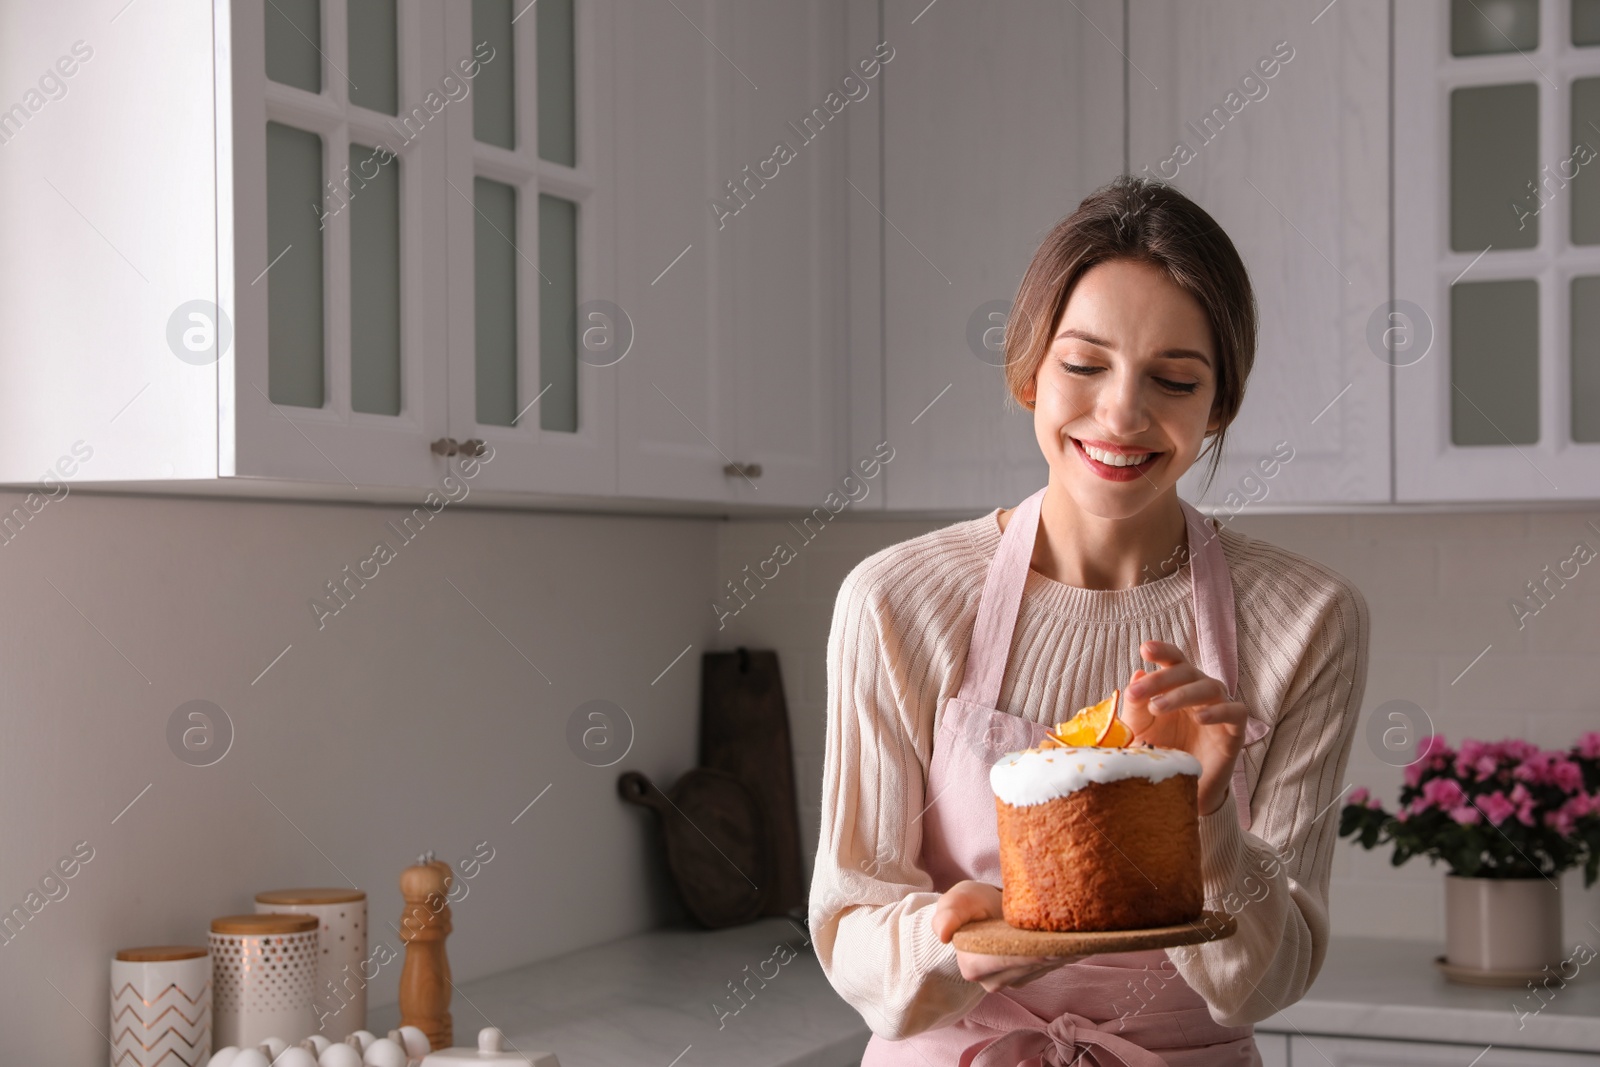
(1507, 818)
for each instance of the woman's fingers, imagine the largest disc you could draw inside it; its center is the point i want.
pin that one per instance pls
(964, 902)
(1197, 692)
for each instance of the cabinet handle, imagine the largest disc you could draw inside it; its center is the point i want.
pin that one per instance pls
(748, 470)
(449, 446)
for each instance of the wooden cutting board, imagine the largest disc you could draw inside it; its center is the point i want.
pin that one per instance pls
(744, 730)
(997, 937)
(715, 851)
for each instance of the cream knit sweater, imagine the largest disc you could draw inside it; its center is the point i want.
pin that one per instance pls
(896, 649)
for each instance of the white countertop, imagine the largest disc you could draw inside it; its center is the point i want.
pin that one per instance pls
(646, 999)
(1380, 988)
(649, 998)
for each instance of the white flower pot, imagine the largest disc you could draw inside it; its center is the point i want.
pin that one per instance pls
(1502, 924)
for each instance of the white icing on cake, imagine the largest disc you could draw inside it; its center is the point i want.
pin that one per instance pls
(1036, 775)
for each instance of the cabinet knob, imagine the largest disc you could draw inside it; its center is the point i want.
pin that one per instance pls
(747, 470)
(449, 446)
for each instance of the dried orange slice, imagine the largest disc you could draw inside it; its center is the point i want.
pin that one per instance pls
(1119, 736)
(1093, 725)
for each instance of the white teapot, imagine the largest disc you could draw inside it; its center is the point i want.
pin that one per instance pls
(490, 1045)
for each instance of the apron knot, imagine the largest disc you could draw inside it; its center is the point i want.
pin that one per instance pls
(1065, 1040)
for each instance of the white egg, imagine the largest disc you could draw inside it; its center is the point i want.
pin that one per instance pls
(416, 1042)
(384, 1053)
(274, 1047)
(251, 1057)
(223, 1057)
(295, 1056)
(366, 1037)
(318, 1043)
(339, 1056)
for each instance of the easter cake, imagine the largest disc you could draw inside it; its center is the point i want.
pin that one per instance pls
(1097, 833)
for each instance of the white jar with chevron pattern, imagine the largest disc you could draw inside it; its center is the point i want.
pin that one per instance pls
(160, 1006)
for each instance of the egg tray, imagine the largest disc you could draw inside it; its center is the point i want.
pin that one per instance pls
(401, 1048)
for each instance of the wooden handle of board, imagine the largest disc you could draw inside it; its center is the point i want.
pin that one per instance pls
(424, 924)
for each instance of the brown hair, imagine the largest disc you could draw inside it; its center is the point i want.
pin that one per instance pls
(1150, 221)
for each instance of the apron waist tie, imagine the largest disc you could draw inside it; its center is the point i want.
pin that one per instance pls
(1070, 1039)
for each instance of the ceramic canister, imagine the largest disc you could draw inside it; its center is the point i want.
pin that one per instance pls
(160, 1006)
(340, 999)
(263, 968)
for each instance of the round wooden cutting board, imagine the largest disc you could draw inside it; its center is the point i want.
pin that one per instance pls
(996, 937)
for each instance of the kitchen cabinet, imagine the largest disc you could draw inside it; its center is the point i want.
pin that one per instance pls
(996, 121)
(358, 238)
(1274, 1049)
(1497, 251)
(1278, 126)
(730, 150)
(1355, 1052)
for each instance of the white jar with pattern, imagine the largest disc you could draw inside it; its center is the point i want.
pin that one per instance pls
(160, 1006)
(340, 998)
(263, 968)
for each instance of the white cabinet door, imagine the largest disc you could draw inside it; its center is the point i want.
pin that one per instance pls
(725, 245)
(1355, 1052)
(531, 237)
(998, 119)
(328, 250)
(1274, 1049)
(1294, 167)
(1497, 250)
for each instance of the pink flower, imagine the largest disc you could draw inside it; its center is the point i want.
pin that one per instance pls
(1560, 821)
(1375, 804)
(1443, 793)
(1359, 795)
(1496, 807)
(1589, 745)
(1466, 815)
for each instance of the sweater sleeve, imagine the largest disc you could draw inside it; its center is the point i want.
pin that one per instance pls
(1274, 880)
(871, 905)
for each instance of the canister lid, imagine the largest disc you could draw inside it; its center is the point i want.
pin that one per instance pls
(264, 923)
(291, 897)
(161, 953)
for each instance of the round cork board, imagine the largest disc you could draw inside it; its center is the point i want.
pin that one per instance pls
(996, 937)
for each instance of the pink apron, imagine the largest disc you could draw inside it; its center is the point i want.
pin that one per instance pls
(1132, 1008)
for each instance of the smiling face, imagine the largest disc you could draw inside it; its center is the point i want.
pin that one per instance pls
(1129, 375)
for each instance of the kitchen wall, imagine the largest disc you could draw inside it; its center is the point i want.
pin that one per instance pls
(1439, 587)
(426, 714)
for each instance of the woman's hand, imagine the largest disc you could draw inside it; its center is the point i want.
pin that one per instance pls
(1178, 706)
(970, 901)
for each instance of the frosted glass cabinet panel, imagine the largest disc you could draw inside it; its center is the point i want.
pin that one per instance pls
(558, 116)
(558, 334)
(375, 288)
(1485, 27)
(495, 300)
(294, 43)
(1494, 363)
(1494, 147)
(294, 294)
(374, 58)
(494, 110)
(1497, 245)
(1585, 305)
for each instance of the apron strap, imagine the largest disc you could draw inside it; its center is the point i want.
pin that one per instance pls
(998, 606)
(1215, 630)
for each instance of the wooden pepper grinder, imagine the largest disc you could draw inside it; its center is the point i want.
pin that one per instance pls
(425, 923)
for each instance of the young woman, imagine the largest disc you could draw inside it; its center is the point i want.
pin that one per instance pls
(1130, 341)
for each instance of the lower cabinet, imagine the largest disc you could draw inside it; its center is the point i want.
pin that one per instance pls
(1355, 1052)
